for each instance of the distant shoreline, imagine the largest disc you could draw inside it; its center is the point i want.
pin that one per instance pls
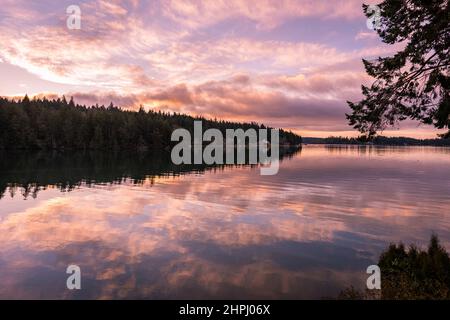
(370, 145)
(378, 141)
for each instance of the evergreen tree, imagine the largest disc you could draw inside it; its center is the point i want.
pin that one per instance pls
(56, 124)
(415, 82)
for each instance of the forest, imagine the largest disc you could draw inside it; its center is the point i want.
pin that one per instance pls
(58, 124)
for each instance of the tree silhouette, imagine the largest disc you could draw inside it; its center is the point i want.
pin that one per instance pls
(410, 273)
(415, 82)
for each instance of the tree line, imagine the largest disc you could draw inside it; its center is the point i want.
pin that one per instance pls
(58, 124)
(379, 140)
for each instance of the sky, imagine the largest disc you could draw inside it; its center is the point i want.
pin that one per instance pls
(285, 63)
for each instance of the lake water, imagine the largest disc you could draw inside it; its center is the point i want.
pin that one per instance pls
(139, 227)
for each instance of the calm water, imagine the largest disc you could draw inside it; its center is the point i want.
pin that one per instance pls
(141, 228)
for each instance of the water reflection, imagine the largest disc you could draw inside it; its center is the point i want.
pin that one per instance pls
(227, 232)
(31, 172)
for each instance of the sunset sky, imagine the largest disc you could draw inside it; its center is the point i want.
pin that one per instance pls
(289, 64)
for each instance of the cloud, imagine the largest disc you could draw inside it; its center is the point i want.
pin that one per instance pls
(187, 56)
(296, 101)
(363, 35)
(267, 14)
(124, 45)
(191, 61)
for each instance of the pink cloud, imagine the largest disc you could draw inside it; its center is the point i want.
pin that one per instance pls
(161, 56)
(266, 13)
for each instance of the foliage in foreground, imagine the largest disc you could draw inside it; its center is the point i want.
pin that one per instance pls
(412, 273)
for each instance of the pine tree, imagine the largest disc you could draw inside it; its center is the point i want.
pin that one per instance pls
(415, 82)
